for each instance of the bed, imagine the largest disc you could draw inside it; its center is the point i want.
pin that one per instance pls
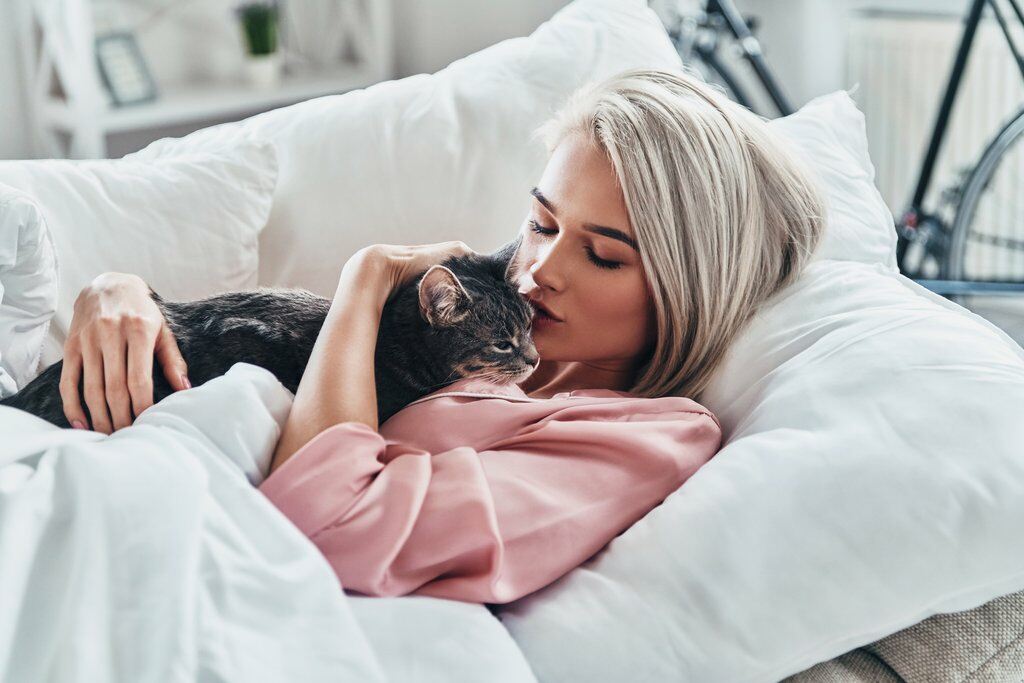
(862, 515)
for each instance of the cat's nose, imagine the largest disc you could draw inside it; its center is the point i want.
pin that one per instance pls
(531, 357)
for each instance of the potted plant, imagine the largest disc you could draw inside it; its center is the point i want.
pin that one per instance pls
(259, 23)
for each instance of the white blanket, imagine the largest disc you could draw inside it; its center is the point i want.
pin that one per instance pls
(148, 555)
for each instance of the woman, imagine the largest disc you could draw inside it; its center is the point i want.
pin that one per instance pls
(666, 214)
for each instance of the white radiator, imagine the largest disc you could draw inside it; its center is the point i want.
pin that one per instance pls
(902, 63)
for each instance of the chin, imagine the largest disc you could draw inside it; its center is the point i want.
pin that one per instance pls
(548, 352)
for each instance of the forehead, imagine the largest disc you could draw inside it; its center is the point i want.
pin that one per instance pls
(580, 182)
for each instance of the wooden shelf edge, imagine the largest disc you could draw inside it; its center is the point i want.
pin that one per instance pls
(190, 103)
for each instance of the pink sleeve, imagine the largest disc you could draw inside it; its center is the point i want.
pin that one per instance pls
(488, 526)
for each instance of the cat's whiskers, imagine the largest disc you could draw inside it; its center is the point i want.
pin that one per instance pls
(443, 383)
(497, 373)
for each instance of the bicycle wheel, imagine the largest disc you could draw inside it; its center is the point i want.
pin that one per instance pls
(987, 234)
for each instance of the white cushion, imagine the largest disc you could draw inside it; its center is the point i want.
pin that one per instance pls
(28, 288)
(431, 157)
(188, 225)
(872, 474)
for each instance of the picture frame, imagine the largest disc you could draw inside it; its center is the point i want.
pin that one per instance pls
(123, 69)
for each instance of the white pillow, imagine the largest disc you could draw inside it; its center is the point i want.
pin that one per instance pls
(431, 157)
(830, 133)
(188, 225)
(28, 288)
(872, 474)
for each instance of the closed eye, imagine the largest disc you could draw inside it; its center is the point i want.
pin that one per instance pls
(540, 229)
(503, 346)
(594, 258)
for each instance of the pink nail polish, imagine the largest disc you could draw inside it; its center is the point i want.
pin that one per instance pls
(77, 424)
(184, 380)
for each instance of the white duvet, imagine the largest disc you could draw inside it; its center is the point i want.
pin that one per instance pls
(149, 555)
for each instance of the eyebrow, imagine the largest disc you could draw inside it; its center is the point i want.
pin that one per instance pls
(599, 229)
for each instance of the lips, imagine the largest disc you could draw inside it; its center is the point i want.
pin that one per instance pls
(538, 305)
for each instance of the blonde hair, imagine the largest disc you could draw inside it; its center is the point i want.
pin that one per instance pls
(724, 216)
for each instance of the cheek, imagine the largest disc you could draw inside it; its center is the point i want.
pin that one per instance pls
(617, 318)
(622, 307)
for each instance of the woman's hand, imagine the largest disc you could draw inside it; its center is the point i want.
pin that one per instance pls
(401, 264)
(115, 331)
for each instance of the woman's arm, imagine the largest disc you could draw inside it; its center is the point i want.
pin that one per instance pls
(338, 384)
(492, 525)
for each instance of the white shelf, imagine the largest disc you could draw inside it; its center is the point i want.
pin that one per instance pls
(196, 102)
(58, 51)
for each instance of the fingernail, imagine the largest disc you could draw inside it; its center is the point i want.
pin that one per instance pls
(184, 380)
(77, 424)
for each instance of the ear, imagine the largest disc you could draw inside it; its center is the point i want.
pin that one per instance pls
(443, 299)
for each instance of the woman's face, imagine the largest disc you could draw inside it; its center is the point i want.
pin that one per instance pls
(578, 260)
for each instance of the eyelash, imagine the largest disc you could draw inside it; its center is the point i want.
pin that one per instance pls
(599, 262)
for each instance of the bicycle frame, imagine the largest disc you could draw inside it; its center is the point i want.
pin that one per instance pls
(914, 214)
(751, 51)
(720, 17)
(953, 86)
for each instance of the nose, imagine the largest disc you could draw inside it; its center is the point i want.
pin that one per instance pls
(531, 356)
(546, 271)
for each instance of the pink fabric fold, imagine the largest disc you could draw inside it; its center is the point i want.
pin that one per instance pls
(480, 493)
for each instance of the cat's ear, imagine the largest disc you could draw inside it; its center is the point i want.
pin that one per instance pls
(443, 299)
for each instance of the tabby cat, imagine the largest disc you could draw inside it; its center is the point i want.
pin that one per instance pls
(461, 318)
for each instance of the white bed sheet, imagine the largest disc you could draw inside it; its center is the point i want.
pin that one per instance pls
(149, 555)
(422, 639)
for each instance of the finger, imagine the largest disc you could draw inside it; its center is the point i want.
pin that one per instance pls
(70, 374)
(171, 360)
(95, 398)
(140, 368)
(115, 381)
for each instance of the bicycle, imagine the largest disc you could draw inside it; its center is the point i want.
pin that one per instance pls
(963, 252)
(927, 244)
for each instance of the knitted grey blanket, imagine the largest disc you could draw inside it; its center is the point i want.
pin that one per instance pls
(982, 645)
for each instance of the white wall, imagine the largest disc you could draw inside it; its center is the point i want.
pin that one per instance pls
(429, 34)
(14, 142)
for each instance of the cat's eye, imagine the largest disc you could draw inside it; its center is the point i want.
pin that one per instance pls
(503, 345)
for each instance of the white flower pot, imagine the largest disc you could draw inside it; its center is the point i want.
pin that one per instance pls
(263, 71)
